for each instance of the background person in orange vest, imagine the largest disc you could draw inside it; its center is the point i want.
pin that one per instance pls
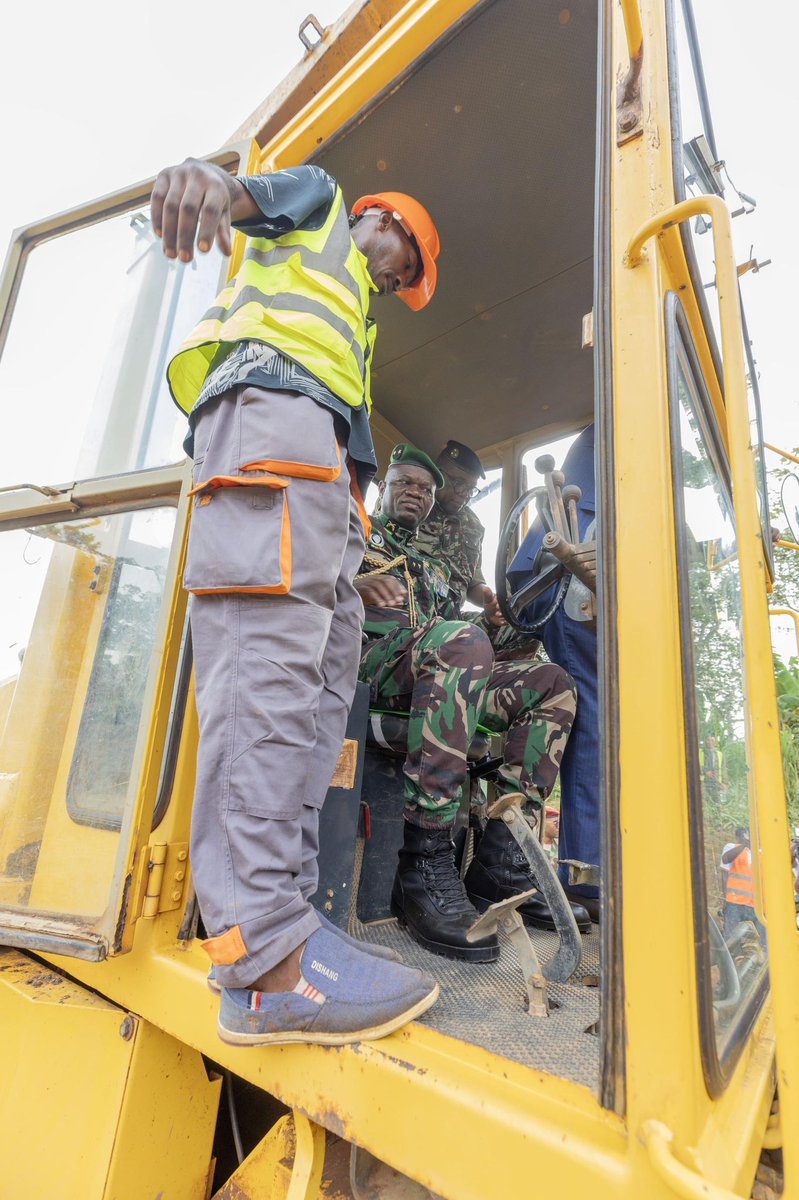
(739, 897)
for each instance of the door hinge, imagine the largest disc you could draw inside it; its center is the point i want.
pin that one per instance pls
(165, 872)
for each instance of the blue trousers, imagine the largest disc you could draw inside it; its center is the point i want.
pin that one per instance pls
(734, 914)
(573, 646)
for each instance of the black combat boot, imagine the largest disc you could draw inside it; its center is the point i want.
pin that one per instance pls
(500, 869)
(429, 897)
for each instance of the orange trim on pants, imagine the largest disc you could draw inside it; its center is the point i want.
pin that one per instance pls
(227, 948)
(219, 481)
(298, 470)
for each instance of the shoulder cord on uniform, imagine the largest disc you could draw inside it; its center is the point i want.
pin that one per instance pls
(381, 568)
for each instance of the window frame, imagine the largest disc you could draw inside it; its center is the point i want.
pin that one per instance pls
(717, 1069)
(678, 178)
(26, 507)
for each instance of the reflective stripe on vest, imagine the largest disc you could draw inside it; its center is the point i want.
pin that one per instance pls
(740, 885)
(305, 294)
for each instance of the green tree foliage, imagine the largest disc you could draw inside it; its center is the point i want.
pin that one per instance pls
(786, 595)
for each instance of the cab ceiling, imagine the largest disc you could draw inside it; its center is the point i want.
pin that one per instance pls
(494, 132)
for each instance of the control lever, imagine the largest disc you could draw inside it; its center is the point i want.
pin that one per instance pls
(553, 481)
(563, 537)
(572, 495)
(503, 914)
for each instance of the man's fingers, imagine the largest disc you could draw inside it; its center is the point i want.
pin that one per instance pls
(189, 214)
(191, 201)
(390, 592)
(159, 193)
(215, 219)
(385, 593)
(224, 238)
(170, 213)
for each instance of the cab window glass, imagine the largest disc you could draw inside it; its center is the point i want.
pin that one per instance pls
(80, 619)
(731, 939)
(533, 478)
(99, 313)
(487, 507)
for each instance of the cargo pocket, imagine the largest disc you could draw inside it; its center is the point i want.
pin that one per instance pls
(240, 536)
(288, 433)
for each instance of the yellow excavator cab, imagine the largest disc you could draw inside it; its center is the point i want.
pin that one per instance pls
(587, 277)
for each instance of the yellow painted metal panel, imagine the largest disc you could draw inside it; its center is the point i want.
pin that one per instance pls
(388, 55)
(166, 1125)
(65, 1066)
(422, 1102)
(664, 1070)
(96, 1104)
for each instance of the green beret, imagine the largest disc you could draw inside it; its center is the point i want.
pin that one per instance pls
(406, 453)
(464, 456)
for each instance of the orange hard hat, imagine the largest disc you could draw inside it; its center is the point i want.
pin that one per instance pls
(416, 221)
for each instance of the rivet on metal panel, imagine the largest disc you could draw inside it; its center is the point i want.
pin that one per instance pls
(127, 1029)
(179, 875)
(183, 855)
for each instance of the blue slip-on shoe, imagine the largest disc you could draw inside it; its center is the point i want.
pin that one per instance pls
(372, 948)
(343, 995)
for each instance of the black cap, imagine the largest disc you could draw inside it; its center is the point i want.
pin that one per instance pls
(406, 453)
(464, 457)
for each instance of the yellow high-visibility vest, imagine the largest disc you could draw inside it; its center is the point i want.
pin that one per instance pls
(305, 294)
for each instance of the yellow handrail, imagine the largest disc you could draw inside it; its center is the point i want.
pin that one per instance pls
(680, 1180)
(769, 818)
(632, 27)
(783, 453)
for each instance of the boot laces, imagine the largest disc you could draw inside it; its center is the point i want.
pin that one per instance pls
(445, 878)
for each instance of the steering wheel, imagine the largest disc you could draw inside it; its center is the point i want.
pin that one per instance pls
(547, 569)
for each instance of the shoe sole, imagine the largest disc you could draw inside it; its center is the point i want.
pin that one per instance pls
(444, 949)
(369, 1034)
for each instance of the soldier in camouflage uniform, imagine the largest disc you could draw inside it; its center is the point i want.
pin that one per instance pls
(453, 534)
(421, 659)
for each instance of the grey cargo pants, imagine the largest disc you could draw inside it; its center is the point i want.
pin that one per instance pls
(275, 541)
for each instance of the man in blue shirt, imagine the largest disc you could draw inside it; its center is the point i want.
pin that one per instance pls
(573, 646)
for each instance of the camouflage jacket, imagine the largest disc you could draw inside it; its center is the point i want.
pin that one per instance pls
(456, 541)
(392, 550)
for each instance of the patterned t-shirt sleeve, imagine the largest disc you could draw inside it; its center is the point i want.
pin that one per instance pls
(297, 198)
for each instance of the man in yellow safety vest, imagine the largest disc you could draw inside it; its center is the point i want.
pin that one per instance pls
(275, 383)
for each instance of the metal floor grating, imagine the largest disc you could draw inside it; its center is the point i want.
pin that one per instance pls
(484, 1003)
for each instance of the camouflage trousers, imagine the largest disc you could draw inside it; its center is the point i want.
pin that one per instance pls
(508, 644)
(444, 675)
